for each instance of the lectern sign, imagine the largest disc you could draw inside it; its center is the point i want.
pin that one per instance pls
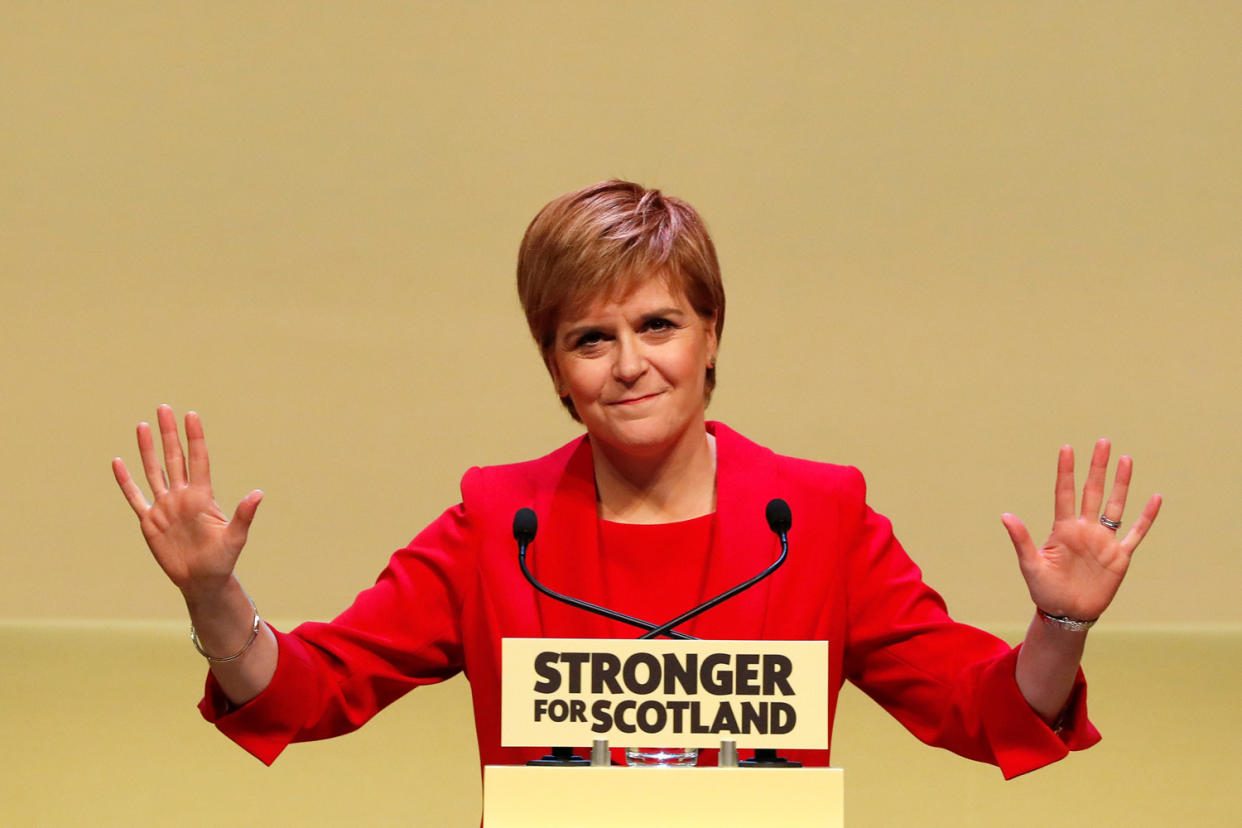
(571, 691)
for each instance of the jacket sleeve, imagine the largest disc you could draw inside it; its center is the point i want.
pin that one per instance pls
(949, 684)
(330, 678)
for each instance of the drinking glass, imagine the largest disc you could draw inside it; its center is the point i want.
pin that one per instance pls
(662, 757)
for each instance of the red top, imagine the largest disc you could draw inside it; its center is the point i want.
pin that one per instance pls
(655, 572)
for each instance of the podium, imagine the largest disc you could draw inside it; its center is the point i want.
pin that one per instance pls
(744, 694)
(624, 797)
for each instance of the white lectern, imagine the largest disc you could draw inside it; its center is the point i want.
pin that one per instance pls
(755, 694)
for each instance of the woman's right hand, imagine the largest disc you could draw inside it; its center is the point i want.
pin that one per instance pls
(191, 538)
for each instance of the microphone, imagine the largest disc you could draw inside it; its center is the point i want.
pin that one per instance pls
(525, 524)
(780, 519)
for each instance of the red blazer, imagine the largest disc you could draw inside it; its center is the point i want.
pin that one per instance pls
(445, 602)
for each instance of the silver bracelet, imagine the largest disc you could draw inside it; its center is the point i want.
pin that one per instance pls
(1065, 622)
(254, 633)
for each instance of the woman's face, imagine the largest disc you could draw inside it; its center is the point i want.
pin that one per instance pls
(635, 368)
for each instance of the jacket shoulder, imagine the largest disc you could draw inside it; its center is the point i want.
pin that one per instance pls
(517, 481)
(797, 471)
(817, 474)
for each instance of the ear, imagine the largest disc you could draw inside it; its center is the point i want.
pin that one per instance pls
(713, 344)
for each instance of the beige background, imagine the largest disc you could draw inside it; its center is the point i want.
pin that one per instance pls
(954, 237)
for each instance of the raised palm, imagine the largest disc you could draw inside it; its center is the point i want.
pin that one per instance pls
(192, 539)
(1077, 570)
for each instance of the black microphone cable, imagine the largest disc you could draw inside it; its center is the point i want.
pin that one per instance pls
(525, 524)
(780, 519)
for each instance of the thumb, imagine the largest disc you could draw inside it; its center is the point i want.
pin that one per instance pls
(239, 526)
(1021, 539)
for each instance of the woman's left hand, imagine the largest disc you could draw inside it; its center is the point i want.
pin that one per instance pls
(1077, 571)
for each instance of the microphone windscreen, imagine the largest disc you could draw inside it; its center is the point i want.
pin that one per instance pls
(525, 523)
(778, 515)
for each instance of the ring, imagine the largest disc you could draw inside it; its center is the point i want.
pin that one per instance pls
(1109, 522)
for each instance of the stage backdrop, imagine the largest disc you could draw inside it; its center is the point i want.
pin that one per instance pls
(954, 237)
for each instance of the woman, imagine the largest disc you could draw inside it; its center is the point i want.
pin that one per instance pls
(652, 510)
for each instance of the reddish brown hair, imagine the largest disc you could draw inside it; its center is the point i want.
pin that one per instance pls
(600, 242)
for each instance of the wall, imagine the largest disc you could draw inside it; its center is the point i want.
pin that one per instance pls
(955, 236)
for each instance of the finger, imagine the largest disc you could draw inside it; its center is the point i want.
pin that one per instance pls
(1093, 489)
(129, 488)
(1116, 505)
(196, 443)
(150, 463)
(1139, 530)
(243, 516)
(174, 460)
(1064, 507)
(1021, 538)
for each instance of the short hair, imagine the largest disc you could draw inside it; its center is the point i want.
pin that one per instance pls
(602, 241)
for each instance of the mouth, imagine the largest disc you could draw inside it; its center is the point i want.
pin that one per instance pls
(636, 400)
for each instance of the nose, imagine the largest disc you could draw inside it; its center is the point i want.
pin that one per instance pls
(630, 362)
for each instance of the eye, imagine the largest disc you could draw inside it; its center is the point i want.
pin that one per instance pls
(659, 325)
(589, 339)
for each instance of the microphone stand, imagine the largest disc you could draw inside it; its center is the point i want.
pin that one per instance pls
(779, 518)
